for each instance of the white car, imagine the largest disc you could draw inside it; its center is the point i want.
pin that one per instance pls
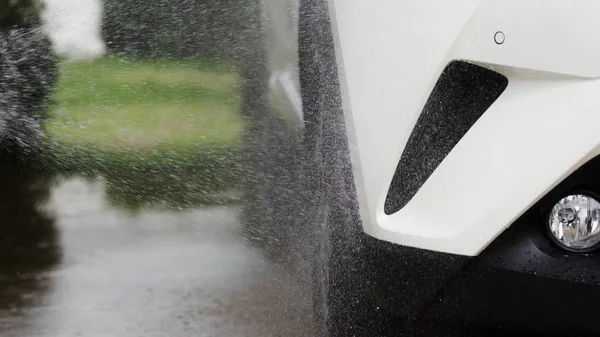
(434, 164)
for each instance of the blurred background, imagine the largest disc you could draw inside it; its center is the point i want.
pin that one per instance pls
(125, 220)
(149, 87)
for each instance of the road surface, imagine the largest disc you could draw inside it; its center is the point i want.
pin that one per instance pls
(73, 264)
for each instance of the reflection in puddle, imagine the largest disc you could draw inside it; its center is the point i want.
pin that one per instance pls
(74, 263)
(28, 238)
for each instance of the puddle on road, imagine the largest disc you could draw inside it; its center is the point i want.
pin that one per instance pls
(73, 263)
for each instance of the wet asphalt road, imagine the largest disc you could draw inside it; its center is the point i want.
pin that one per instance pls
(73, 264)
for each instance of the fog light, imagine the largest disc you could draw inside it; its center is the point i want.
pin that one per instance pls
(575, 222)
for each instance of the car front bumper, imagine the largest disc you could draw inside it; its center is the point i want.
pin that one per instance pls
(520, 283)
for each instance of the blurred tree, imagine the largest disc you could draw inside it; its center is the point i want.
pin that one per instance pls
(28, 75)
(18, 13)
(180, 28)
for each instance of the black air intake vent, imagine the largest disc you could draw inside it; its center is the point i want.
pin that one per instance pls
(461, 95)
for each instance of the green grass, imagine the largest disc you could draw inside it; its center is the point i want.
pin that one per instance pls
(154, 129)
(116, 105)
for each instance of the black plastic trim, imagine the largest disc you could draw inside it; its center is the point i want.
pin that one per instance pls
(518, 284)
(461, 95)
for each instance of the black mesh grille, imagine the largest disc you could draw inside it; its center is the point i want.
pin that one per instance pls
(461, 95)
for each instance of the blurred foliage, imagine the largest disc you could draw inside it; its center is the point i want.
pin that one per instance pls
(156, 128)
(18, 13)
(218, 29)
(122, 104)
(159, 132)
(172, 180)
(29, 73)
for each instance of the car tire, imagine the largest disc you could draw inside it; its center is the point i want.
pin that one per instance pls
(343, 304)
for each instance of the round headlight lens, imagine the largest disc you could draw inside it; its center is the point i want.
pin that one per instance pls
(575, 222)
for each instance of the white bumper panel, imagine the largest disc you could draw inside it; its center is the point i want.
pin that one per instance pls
(391, 54)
